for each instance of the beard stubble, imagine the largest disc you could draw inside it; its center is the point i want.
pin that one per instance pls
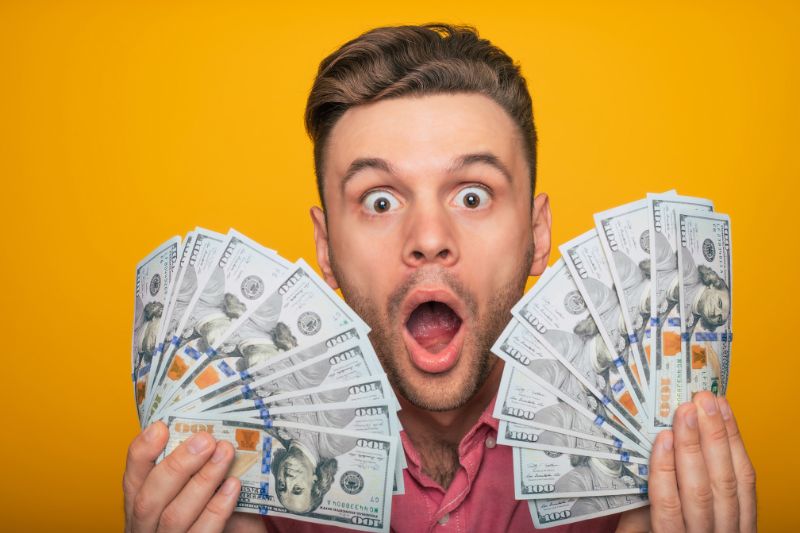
(437, 392)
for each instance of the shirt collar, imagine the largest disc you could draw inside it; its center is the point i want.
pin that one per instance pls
(486, 419)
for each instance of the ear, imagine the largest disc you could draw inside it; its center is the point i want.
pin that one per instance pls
(323, 247)
(541, 223)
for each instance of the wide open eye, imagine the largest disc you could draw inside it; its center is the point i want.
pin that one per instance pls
(379, 202)
(473, 197)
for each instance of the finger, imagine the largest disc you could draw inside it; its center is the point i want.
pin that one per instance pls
(694, 486)
(187, 506)
(717, 456)
(168, 478)
(665, 501)
(219, 509)
(743, 469)
(142, 454)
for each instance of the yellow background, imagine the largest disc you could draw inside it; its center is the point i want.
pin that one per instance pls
(123, 124)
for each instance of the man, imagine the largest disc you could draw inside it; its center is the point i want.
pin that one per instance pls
(425, 154)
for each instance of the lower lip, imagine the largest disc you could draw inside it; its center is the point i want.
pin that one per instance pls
(435, 363)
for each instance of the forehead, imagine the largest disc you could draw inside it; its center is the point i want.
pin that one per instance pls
(425, 134)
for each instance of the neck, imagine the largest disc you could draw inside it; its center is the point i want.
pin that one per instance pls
(437, 434)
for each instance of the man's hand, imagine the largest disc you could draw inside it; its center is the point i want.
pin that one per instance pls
(701, 478)
(182, 492)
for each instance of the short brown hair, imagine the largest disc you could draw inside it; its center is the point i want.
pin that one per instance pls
(394, 61)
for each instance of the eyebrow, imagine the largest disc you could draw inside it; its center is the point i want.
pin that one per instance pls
(363, 163)
(487, 158)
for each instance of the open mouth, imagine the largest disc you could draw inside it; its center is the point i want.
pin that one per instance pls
(433, 325)
(433, 332)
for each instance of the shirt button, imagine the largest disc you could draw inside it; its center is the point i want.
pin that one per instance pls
(490, 442)
(444, 519)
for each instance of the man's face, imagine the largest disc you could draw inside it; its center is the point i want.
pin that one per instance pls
(430, 235)
(295, 481)
(715, 306)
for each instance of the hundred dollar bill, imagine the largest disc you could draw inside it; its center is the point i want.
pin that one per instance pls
(203, 257)
(365, 388)
(529, 436)
(341, 357)
(300, 312)
(200, 248)
(337, 477)
(183, 255)
(154, 278)
(337, 387)
(556, 313)
(540, 475)
(368, 416)
(668, 388)
(524, 399)
(373, 415)
(339, 365)
(586, 261)
(559, 511)
(244, 275)
(307, 473)
(524, 352)
(625, 236)
(363, 392)
(201, 254)
(704, 281)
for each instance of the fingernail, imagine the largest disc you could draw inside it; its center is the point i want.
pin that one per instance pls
(197, 443)
(219, 454)
(666, 441)
(691, 417)
(709, 404)
(229, 487)
(725, 409)
(151, 432)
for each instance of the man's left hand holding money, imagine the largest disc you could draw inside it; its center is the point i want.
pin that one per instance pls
(701, 478)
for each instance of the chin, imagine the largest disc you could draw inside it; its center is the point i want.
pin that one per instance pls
(443, 391)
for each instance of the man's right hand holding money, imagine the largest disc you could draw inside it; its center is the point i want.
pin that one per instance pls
(182, 492)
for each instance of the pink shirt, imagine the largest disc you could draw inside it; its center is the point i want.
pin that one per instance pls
(480, 498)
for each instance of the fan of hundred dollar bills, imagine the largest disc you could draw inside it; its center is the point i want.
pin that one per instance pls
(629, 323)
(232, 339)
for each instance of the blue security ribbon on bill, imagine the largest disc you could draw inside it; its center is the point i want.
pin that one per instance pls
(191, 352)
(709, 336)
(226, 369)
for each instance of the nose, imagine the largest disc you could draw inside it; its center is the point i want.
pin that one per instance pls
(430, 237)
